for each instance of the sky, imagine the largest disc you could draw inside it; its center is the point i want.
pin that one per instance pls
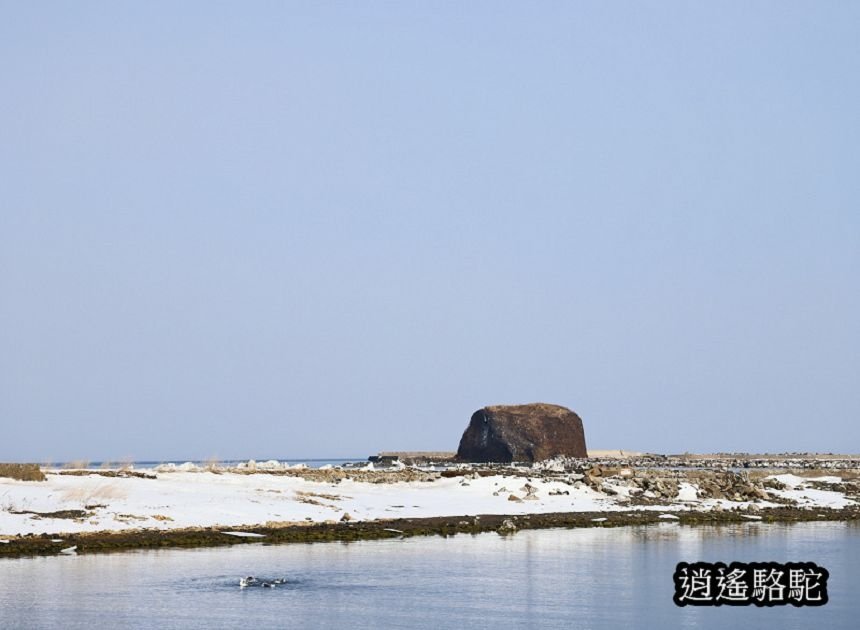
(324, 229)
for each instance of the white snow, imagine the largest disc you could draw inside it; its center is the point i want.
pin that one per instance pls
(827, 479)
(798, 489)
(807, 497)
(788, 479)
(244, 534)
(182, 499)
(687, 492)
(793, 481)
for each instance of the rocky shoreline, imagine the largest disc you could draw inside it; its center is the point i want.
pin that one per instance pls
(502, 524)
(730, 461)
(189, 506)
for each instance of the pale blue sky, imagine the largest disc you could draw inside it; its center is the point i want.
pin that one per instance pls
(252, 229)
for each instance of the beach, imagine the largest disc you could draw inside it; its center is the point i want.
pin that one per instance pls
(190, 504)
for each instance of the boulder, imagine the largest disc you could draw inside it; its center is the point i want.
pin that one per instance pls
(522, 433)
(507, 527)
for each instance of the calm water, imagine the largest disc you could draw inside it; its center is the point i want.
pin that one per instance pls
(596, 578)
(146, 465)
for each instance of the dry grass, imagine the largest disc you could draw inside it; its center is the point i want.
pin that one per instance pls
(285, 524)
(76, 464)
(320, 495)
(90, 495)
(130, 518)
(305, 497)
(22, 472)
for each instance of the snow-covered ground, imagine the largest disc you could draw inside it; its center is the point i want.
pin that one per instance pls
(797, 489)
(203, 499)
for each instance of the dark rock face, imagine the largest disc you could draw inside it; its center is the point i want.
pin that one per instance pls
(522, 433)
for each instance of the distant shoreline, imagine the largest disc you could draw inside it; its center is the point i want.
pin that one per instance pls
(447, 457)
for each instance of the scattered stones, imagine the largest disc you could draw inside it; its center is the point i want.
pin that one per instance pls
(507, 527)
(531, 492)
(64, 514)
(514, 498)
(730, 485)
(122, 473)
(719, 461)
(774, 484)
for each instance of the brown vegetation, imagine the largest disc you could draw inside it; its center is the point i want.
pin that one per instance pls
(348, 530)
(22, 472)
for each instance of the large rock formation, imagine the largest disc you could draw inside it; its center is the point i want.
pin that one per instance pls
(522, 433)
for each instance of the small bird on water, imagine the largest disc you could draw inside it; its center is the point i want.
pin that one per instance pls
(245, 582)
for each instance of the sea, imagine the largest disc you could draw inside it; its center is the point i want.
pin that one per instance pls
(562, 578)
(150, 464)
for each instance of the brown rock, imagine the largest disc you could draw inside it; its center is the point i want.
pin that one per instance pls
(522, 433)
(595, 471)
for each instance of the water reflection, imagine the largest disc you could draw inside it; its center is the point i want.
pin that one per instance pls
(590, 578)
